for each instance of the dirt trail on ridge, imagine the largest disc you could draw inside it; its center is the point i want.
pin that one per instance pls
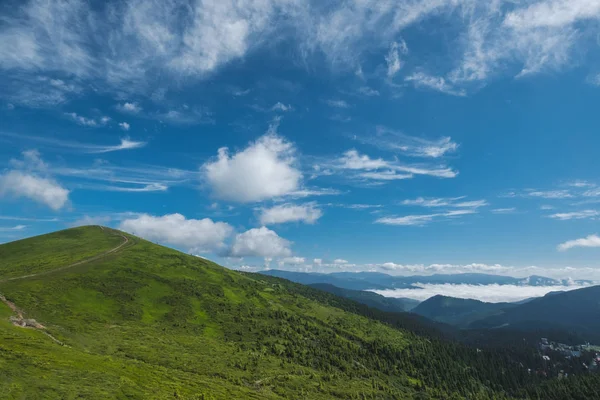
(19, 320)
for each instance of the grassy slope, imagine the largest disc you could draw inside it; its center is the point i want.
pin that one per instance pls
(150, 322)
(57, 249)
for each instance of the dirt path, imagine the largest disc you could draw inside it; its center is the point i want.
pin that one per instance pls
(87, 260)
(19, 320)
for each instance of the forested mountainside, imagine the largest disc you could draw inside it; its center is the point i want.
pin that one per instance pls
(98, 313)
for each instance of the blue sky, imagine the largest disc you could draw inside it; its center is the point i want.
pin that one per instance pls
(405, 137)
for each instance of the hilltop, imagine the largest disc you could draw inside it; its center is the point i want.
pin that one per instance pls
(120, 317)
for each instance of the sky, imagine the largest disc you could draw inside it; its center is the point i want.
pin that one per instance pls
(407, 137)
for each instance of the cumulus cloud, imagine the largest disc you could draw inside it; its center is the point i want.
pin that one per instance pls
(260, 242)
(30, 179)
(589, 241)
(263, 170)
(195, 235)
(307, 213)
(124, 125)
(132, 108)
(488, 293)
(42, 190)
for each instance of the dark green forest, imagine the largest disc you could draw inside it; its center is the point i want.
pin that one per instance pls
(146, 321)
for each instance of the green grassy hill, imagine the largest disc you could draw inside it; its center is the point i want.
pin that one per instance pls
(145, 321)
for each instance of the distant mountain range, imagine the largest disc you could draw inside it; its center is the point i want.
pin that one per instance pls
(371, 299)
(380, 281)
(575, 310)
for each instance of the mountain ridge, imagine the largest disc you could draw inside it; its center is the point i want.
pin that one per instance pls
(381, 281)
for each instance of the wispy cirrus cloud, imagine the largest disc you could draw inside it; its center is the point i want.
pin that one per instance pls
(361, 167)
(136, 41)
(424, 219)
(452, 202)
(69, 145)
(583, 214)
(12, 228)
(395, 141)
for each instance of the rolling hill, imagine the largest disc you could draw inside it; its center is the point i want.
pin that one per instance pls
(457, 312)
(371, 299)
(576, 310)
(95, 313)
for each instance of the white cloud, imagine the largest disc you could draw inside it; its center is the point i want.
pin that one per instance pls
(398, 142)
(420, 220)
(132, 108)
(340, 261)
(126, 144)
(124, 125)
(581, 184)
(317, 261)
(151, 187)
(195, 235)
(553, 13)
(393, 57)
(260, 242)
(92, 122)
(438, 83)
(353, 160)
(42, 190)
(337, 103)
(508, 210)
(281, 107)
(389, 175)
(12, 228)
(408, 220)
(590, 241)
(367, 91)
(584, 214)
(136, 41)
(363, 167)
(54, 143)
(488, 293)
(265, 169)
(307, 213)
(550, 194)
(445, 202)
(291, 261)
